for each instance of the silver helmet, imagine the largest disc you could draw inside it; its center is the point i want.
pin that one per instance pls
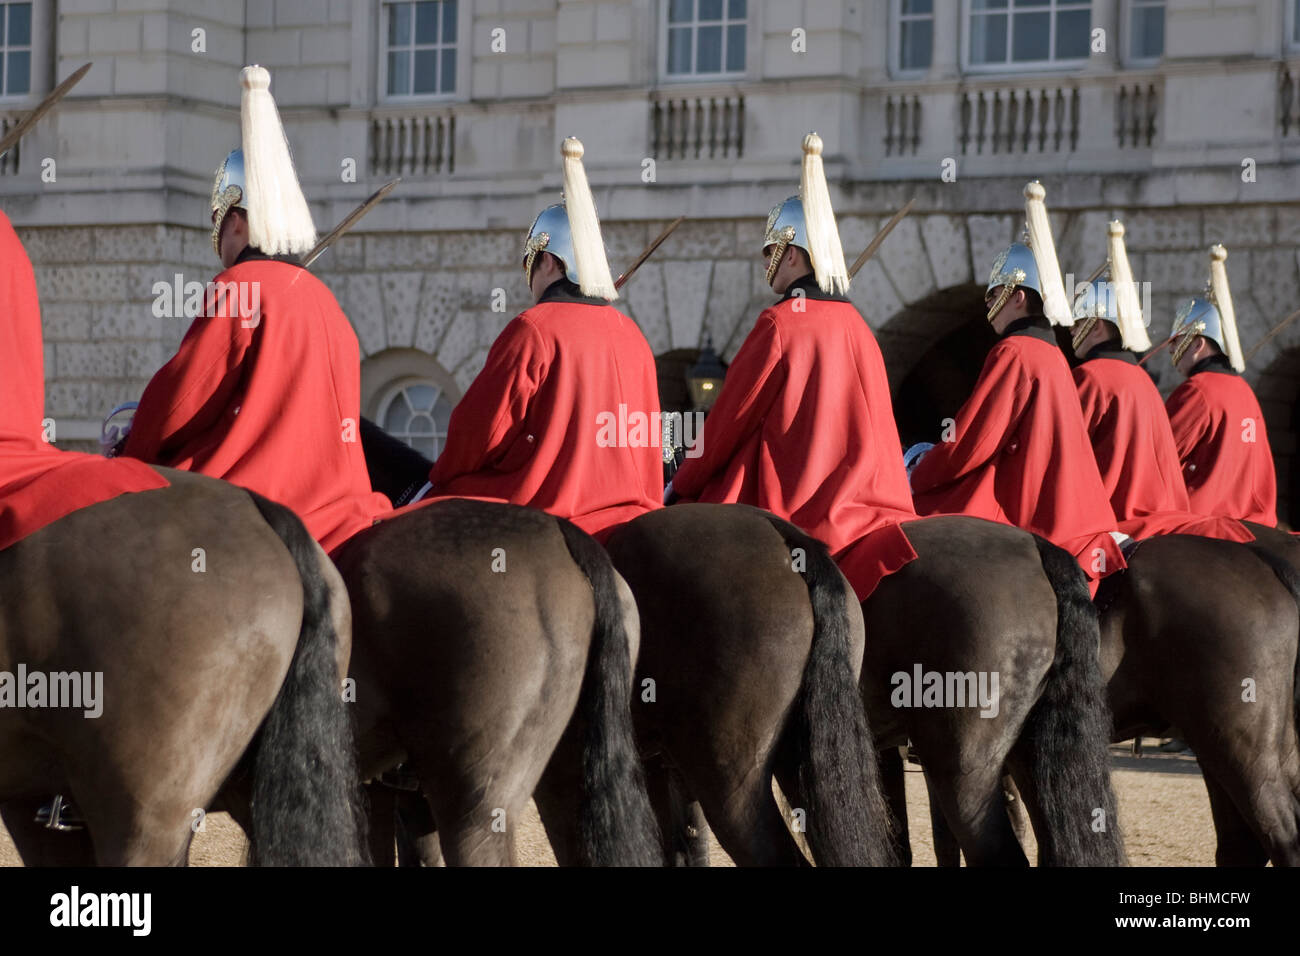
(1196, 316)
(228, 190)
(1014, 268)
(550, 233)
(1096, 301)
(785, 227)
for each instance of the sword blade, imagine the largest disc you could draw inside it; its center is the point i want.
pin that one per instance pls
(351, 220)
(47, 104)
(648, 251)
(883, 234)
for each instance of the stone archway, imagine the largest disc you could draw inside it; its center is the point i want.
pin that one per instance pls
(934, 350)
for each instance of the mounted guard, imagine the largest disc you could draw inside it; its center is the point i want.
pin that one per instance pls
(1124, 414)
(1217, 423)
(804, 424)
(1019, 451)
(564, 416)
(265, 389)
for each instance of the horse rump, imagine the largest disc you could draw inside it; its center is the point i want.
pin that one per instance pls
(306, 803)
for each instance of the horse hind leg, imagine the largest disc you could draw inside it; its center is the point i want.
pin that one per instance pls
(1236, 842)
(748, 823)
(974, 807)
(40, 846)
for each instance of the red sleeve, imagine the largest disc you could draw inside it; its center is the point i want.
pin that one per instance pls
(755, 378)
(490, 417)
(189, 394)
(982, 427)
(1189, 417)
(1090, 400)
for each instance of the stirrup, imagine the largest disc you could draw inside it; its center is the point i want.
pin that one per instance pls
(59, 814)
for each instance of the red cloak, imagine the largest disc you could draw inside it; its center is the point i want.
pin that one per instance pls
(38, 483)
(265, 392)
(804, 428)
(1135, 451)
(564, 417)
(1020, 454)
(1219, 431)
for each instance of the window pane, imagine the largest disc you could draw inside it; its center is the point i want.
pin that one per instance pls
(989, 5)
(449, 21)
(1148, 32)
(448, 71)
(916, 39)
(442, 414)
(710, 9)
(397, 415)
(736, 48)
(399, 74)
(708, 54)
(421, 424)
(681, 11)
(18, 73)
(20, 24)
(421, 396)
(426, 71)
(399, 24)
(428, 447)
(1073, 34)
(1030, 33)
(988, 38)
(918, 6)
(679, 50)
(2, 26)
(736, 9)
(426, 23)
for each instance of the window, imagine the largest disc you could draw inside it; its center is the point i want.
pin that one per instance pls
(1146, 25)
(915, 34)
(706, 37)
(417, 411)
(15, 49)
(1006, 32)
(421, 48)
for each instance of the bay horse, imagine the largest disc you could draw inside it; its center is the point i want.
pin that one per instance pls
(493, 648)
(732, 710)
(221, 632)
(1200, 635)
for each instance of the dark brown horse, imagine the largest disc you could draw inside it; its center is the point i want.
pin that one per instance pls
(493, 652)
(1199, 634)
(221, 632)
(745, 678)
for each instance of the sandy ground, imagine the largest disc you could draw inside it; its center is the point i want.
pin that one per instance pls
(1163, 809)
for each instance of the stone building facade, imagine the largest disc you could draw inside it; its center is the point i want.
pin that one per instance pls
(1180, 117)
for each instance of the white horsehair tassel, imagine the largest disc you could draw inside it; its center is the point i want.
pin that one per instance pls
(1128, 308)
(1055, 305)
(824, 247)
(1223, 301)
(594, 277)
(279, 221)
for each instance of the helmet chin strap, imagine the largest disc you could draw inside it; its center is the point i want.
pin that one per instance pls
(1003, 296)
(1085, 330)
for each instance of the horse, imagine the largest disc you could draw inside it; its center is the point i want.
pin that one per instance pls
(493, 650)
(734, 678)
(221, 632)
(1200, 634)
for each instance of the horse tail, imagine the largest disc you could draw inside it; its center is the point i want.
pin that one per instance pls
(1067, 732)
(616, 822)
(1286, 573)
(306, 805)
(837, 769)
